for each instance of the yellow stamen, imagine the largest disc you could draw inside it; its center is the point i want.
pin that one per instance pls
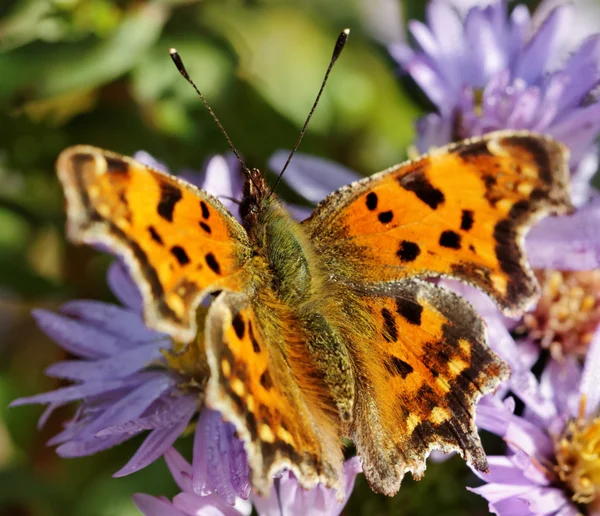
(577, 451)
(568, 313)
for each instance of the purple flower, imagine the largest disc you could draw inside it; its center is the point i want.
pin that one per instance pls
(130, 379)
(552, 464)
(286, 497)
(490, 70)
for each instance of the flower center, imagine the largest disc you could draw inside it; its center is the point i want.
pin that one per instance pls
(568, 312)
(578, 458)
(189, 360)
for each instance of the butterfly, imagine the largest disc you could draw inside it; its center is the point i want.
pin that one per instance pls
(330, 328)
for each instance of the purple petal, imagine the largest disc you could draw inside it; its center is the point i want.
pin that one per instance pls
(123, 286)
(531, 469)
(153, 506)
(509, 507)
(288, 497)
(161, 439)
(487, 55)
(568, 510)
(578, 128)
(112, 319)
(582, 192)
(494, 415)
(220, 462)
(85, 448)
(526, 387)
(560, 382)
(162, 416)
(590, 379)
(545, 500)
(76, 337)
(503, 471)
(450, 45)
(583, 69)
(312, 177)
(211, 505)
(124, 364)
(122, 410)
(223, 179)
(535, 55)
(433, 131)
(180, 468)
(75, 392)
(431, 83)
(495, 493)
(522, 435)
(568, 242)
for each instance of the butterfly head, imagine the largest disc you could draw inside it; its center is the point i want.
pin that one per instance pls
(256, 192)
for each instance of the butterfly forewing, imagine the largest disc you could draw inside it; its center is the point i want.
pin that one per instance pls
(177, 240)
(461, 211)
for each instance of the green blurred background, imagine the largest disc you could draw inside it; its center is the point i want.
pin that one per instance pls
(99, 72)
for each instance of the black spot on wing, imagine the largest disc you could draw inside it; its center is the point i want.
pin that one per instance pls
(116, 165)
(466, 221)
(205, 227)
(418, 183)
(372, 201)
(155, 236)
(180, 255)
(239, 326)
(205, 210)
(409, 309)
(390, 330)
(398, 367)
(385, 217)
(170, 195)
(408, 251)
(212, 263)
(266, 380)
(255, 344)
(450, 239)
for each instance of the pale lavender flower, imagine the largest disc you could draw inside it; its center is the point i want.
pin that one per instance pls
(128, 382)
(287, 497)
(492, 70)
(290, 499)
(552, 464)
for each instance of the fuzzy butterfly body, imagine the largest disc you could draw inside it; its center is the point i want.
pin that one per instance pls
(327, 329)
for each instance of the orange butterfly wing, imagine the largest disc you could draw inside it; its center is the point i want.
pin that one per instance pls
(255, 383)
(423, 371)
(178, 241)
(461, 211)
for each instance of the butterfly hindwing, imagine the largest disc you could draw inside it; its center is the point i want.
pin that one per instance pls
(461, 211)
(177, 240)
(257, 387)
(424, 369)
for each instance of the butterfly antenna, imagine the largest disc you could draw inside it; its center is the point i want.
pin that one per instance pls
(182, 70)
(339, 46)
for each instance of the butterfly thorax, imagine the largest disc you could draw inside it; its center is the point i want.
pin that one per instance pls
(294, 283)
